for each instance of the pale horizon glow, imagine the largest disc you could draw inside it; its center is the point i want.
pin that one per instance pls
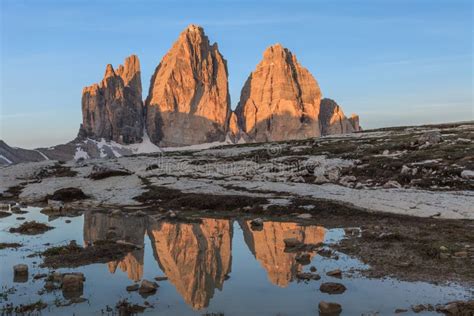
(394, 62)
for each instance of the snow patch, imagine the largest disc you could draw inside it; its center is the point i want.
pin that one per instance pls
(6, 159)
(80, 153)
(43, 155)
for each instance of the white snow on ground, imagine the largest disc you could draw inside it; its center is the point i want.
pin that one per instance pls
(80, 153)
(43, 155)
(6, 159)
(118, 150)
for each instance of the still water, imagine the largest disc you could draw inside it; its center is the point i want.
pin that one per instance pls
(215, 266)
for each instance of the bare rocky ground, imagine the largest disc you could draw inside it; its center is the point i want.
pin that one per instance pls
(409, 190)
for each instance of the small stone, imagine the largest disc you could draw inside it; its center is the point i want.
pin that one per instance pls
(444, 255)
(132, 288)
(443, 248)
(68, 221)
(332, 288)
(335, 273)
(405, 170)
(308, 276)
(467, 174)
(161, 278)
(304, 216)
(73, 285)
(392, 185)
(313, 269)
(329, 308)
(460, 254)
(20, 269)
(303, 258)
(148, 287)
(431, 137)
(400, 310)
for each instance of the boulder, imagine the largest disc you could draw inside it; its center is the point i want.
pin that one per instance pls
(72, 285)
(332, 288)
(148, 287)
(329, 309)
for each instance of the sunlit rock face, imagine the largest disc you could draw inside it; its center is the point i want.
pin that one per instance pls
(196, 257)
(333, 120)
(268, 247)
(113, 109)
(100, 226)
(189, 102)
(354, 119)
(280, 99)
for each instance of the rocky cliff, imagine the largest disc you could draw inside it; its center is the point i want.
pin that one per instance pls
(113, 109)
(280, 99)
(188, 102)
(333, 121)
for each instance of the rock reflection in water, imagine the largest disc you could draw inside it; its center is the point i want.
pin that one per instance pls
(100, 226)
(268, 247)
(196, 257)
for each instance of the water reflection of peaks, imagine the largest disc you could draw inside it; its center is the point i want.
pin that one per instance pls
(197, 257)
(268, 247)
(99, 226)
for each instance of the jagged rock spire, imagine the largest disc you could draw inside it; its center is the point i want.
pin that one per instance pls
(113, 109)
(188, 102)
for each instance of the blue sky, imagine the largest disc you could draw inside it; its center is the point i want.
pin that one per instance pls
(394, 62)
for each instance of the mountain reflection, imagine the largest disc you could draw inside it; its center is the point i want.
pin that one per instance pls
(268, 247)
(99, 226)
(197, 257)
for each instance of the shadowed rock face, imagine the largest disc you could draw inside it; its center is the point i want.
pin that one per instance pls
(188, 102)
(100, 226)
(354, 119)
(280, 99)
(333, 120)
(195, 257)
(113, 109)
(268, 247)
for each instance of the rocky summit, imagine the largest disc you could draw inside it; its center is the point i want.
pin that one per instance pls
(333, 121)
(113, 109)
(280, 99)
(188, 102)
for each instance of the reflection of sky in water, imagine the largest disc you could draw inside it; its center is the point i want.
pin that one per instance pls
(261, 274)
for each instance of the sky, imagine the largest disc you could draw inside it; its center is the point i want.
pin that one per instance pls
(393, 62)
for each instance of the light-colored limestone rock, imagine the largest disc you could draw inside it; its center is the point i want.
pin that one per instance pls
(113, 109)
(280, 99)
(189, 102)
